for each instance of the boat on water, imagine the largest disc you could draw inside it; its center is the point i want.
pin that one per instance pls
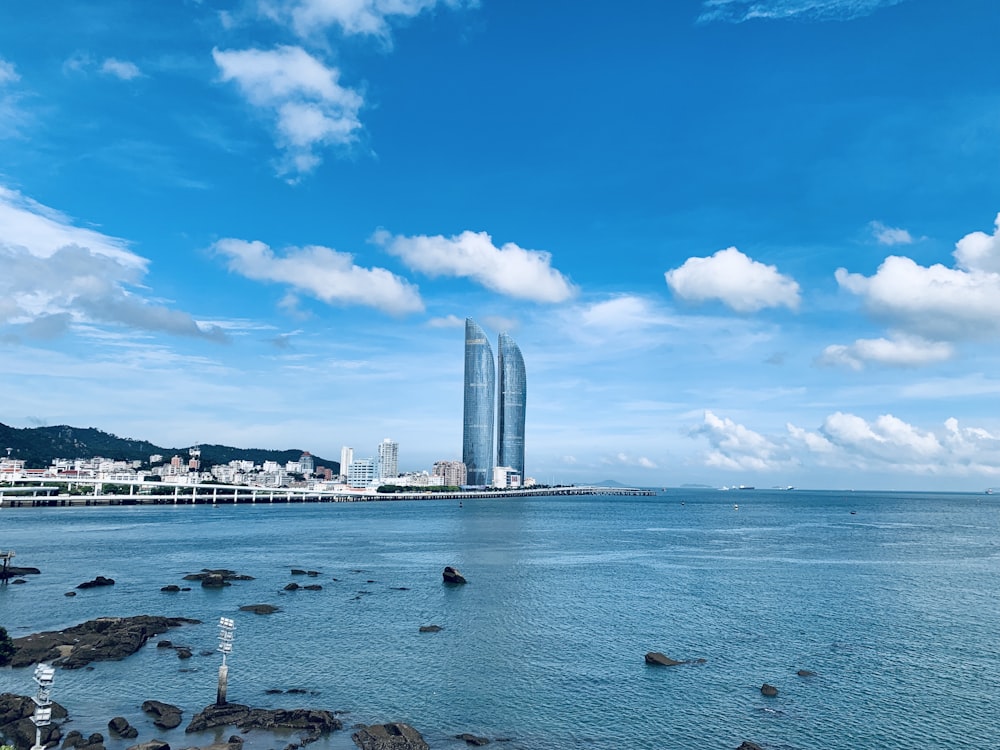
(746, 487)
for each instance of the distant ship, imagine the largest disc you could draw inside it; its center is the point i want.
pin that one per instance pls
(746, 487)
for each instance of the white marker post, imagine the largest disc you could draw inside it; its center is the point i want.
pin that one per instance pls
(226, 629)
(44, 677)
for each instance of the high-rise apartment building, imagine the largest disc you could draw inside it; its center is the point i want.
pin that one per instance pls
(511, 402)
(480, 397)
(346, 457)
(453, 472)
(388, 459)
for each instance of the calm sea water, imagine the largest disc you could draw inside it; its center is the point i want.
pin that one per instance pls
(896, 608)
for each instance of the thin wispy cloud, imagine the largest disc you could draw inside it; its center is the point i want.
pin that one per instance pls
(123, 69)
(737, 281)
(898, 351)
(8, 72)
(322, 273)
(886, 235)
(509, 269)
(366, 17)
(310, 109)
(737, 11)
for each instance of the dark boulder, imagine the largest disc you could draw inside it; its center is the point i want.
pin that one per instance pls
(292, 586)
(298, 572)
(395, 736)
(471, 739)
(769, 690)
(70, 593)
(119, 726)
(183, 652)
(313, 587)
(661, 660)
(224, 573)
(430, 628)
(73, 739)
(451, 575)
(103, 639)
(99, 581)
(805, 673)
(311, 723)
(171, 588)
(214, 581)
(13, 571)
(312, 573)
(165, 715)
(747, 745)
(165, 644)
(19, 580)
(151, 745)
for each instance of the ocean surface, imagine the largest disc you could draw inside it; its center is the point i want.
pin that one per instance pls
(892, 599)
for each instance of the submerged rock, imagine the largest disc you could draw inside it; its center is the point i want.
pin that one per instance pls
(165, 715)
(260, 609)
(312, 723)
(805, 673)
(119, 726)
(224, 573)
(662, 660)
(99, 581)
(451, 575)
(395, 736)
(471, 739)
(430, 628)
(769, 690)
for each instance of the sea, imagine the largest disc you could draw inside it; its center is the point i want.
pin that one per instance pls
(890, 599)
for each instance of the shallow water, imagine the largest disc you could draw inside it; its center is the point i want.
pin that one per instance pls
(896, 608)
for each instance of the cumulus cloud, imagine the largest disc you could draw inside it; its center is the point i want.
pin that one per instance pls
(309, 106)
(737, 11)
(619, 314)
(734, 279)
(900, 351)
(734, 446)
(325, 274)
(122, 69)
(886, 235)
(368, 17)
(937, 303)
(509, 270)
(56, 274)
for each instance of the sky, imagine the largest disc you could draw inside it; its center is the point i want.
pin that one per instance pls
(737, 241)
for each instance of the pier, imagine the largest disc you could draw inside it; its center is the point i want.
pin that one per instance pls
(90, 492)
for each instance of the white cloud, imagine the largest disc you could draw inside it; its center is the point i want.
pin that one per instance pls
(900, 351)
(8, 73)
(509, 270)
(886, 235)
(979, 251)
(888, 438)
(623, 459)
(309, 106)
(734, 279)
(626, 313)
(736, 11)
(448, 321)
(733, 446)
(122, 69)
(326, 274)
(368, 17)
(56, 275)
(937, 302)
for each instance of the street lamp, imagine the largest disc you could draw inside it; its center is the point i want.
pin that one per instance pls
(226, 629)
(44, 677)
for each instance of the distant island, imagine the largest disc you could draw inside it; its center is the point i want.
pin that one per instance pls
(39, 446)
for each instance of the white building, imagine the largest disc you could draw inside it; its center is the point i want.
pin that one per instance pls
(388, 459)
(361, 472)
(346, 458)
(504, 477)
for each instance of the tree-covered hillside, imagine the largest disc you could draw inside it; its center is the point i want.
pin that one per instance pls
(37, 446)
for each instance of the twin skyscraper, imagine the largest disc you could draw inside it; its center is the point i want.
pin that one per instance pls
(482, 396)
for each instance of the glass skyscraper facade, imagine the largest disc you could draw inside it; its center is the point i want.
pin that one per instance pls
(512, 397)
(480, 397)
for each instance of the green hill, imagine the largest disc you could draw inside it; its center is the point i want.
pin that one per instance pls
(38, 446)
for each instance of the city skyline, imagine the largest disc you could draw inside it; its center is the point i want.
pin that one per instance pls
(736, 242)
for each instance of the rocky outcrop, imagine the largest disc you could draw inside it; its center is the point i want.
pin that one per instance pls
(16, 725)
(768, 690)
(171, 588)
(120, 727)
(451, 575)
(430, 628)
(312, 724)
(471, 739)
(12, 571)
(165, 715)
(395, 736)
(661, 660)
(103, 639)
(99, 581)
(224, 574)
(260, 609)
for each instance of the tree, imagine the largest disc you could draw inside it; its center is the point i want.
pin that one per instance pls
(6, 647)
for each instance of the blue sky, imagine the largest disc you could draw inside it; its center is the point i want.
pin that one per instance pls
(737, 241)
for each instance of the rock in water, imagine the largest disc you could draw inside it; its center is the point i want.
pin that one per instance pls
(151, 745)
(312, 723)
(260, 609)
(165, 715)
(119, 726)
(747, 745)
(769, 690)
(471, 739)
(99, 581)
(451, 575)
(661, 660)
(430, 628)
(395, 736)
(16, 725)
(805, 673)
